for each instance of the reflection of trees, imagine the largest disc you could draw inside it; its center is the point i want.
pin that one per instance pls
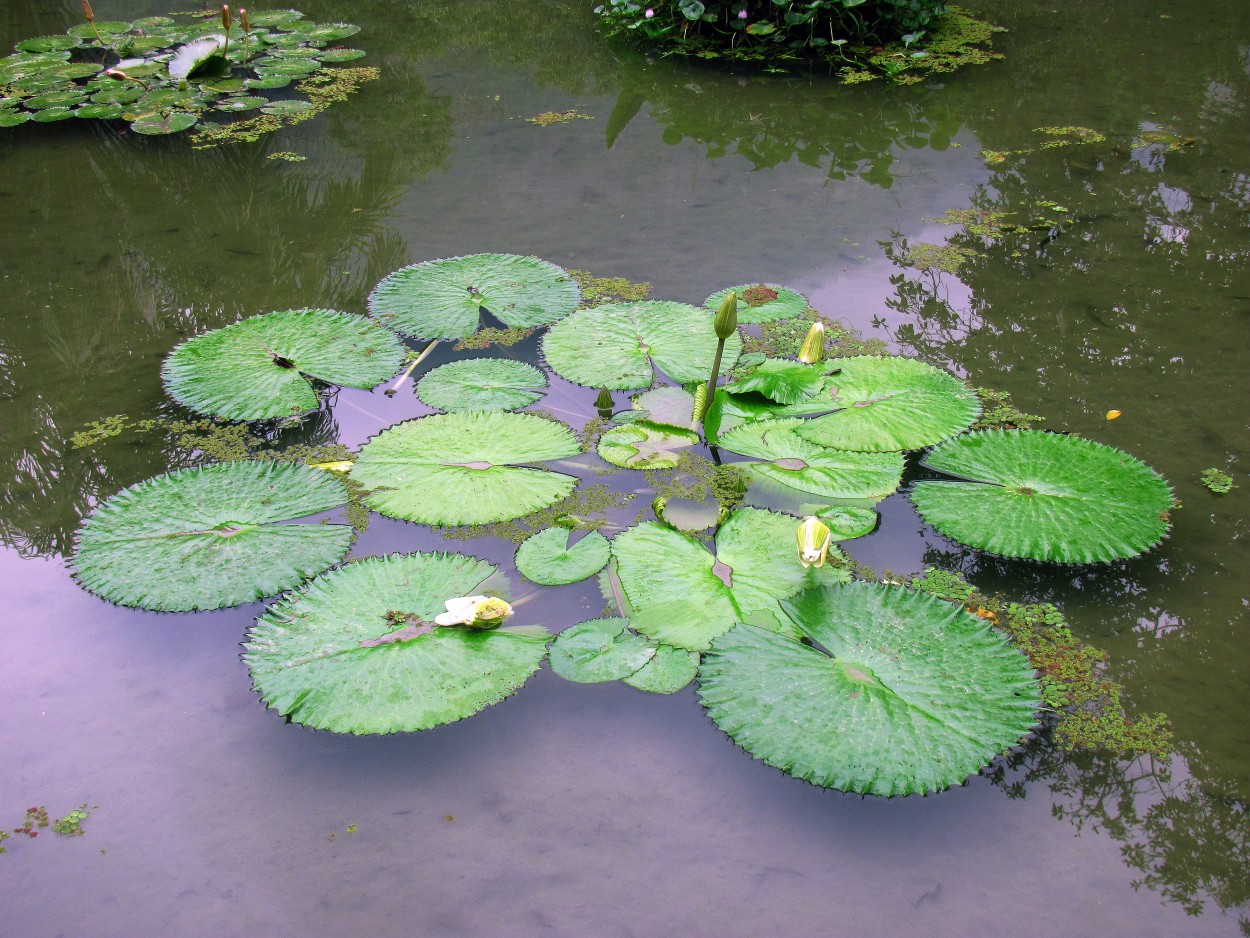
(1187, 840)
(131, 244)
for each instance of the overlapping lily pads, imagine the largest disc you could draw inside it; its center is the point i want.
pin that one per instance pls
(482, 384)
(599, 650)
(901, 693)
(465, 468)
(677, 592)
(210, 537)
(443, 299)
(645, 445)
(547, 557)
(355, 650)
(794, 462)
(615, 345)
(261, 367)
(1044, 496)
(885, 404)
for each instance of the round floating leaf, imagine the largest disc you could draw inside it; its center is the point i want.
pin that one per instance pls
(327, 32)
(678, 593)
(798, 464)
(598, 650)
(890, 404)
(443, 299)
(1044, 496)
(211, 536)
(671, 670)
(548, 559)
(158, 124)
(645, 445)
(759, 302)
(47, 43)
(294, 106)
(99, 111)
(783, 382)
(275, 19)
(615, 345)
(667, 405)
(118, 93)
(268, 81)
(353, 652)
(465, 468)
(48, 115)
(482, 384)
(13, 118)
(847, 523)
(902, 694)
(259, 368)
(240, 103)
(341, 55)
(40, 102)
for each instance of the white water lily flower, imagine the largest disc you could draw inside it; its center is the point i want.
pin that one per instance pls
(476, 612)
(814, 538)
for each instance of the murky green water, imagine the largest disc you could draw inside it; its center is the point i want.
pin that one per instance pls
(573, 810)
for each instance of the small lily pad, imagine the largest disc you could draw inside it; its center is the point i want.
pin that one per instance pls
(482, 384)
(761, 302)
(645, 445)
(547, 557)
(599, 650)
(670, 670)
(159, 124)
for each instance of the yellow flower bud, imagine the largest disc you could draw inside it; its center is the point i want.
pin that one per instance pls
(727, 318)
(813, 349)
(814, 538)
(1112, 414)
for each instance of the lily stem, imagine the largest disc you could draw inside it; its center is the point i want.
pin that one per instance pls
(711, 382)
(390, 392)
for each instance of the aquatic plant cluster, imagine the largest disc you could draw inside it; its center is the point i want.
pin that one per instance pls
(163, 74)
(762, 462)
(862, 39)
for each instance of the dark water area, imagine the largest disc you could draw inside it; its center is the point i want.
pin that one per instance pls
(600, 810)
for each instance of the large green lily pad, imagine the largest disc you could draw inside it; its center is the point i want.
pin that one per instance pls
(599, 650)
(794, 462)
(886, 404)
(677, 592)
(615, 345)
(1044, 496)
(901, 693)
(443, 299)
(482, 384)
(210, 537)
(465, 468)
(260, 368)
(354, 651)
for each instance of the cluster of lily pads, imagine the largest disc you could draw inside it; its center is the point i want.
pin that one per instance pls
(163, 73)
(861, 686)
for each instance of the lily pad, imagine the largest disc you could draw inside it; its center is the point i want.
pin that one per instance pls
(615, 345)
(670, 670)
(847, 523)
(443, 299)
(783, 382)
(259, 368)
(890, 404)
(798, 464)
(901, 693)
(211, 536)
(599, 650)
(352, 653)
(482, 384)
(645, 445)
(679, 593)
(1044, 496)
(547, 557)
(761, 302)
(665, 405)
(465, 468)
(160, 124)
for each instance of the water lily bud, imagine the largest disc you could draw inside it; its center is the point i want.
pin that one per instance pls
(727, 317)
(243, 20)
(814, 538)
(604, 400)
(813, 349)
(87, 11)
(225, 17)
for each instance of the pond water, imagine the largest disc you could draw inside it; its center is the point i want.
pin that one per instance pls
(572, 809)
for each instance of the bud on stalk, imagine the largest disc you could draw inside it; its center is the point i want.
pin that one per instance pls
(813, 349)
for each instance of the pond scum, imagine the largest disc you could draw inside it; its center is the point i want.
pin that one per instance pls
(1082, 705)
